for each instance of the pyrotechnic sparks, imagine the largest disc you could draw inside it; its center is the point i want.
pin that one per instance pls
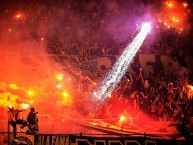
(59, 76)
(109, 95)
(69, 79)
(30, 92)
(66, 98)
(146, 27)
(18, 16)
(175, 20)
(42, 38)
(108, 84)
(64, 94)
(59, 86)
(13, 86)
(174, 14)
(13, 95)
(25, 106)
(190, 87)
(122, 118)
(169, 4)
(185, 5)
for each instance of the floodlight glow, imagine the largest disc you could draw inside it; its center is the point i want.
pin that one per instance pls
(108, 84)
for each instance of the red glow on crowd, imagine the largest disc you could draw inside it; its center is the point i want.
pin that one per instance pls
(49, 62)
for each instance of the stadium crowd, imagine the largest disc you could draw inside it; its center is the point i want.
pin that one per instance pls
(98, 28)
(161, 97)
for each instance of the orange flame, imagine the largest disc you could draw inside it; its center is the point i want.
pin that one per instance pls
(13, 86)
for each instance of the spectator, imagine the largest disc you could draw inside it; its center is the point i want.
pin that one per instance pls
(32, 120)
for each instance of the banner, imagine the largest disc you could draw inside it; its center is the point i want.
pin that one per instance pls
(149, 63)
(22, 138)
(82, 140)
(51, 139)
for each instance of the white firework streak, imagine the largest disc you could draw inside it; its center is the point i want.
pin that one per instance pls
(111, 80)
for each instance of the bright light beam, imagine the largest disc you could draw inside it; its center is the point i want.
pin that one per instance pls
(108, 84)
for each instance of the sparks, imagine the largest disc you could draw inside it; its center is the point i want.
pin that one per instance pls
(108, 84)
